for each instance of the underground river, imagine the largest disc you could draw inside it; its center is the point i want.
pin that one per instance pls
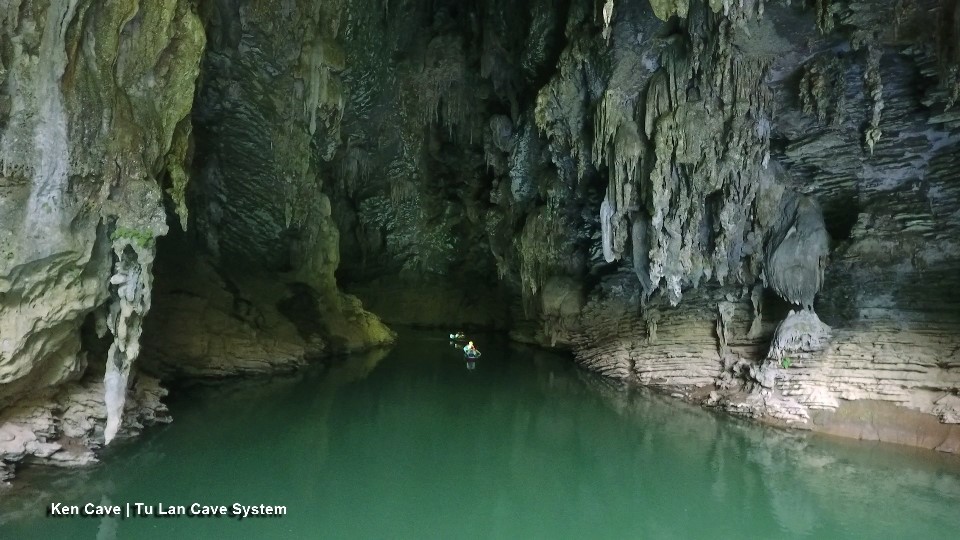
(411, 444)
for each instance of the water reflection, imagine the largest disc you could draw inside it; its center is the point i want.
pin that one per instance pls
(470, 353)
(108, 525)
(251, 402)
(413, 445)
(809, 481)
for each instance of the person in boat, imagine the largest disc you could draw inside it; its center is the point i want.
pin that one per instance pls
(457, 337)
(470, 351)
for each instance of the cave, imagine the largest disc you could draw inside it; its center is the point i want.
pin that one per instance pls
(662, 206)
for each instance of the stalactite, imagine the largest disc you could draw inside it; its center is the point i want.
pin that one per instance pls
(179, 177)
(724, 332)
(617, 141)
(823, 90)
(651, 318)
(321, 61)
(700, 149)
(606, 227)
(641, 251)
(824, 13)
(403, 171)
(544, 252)
(796, 250)
(354, 168)
(131, 300)
(664, 9)
(533, 245)
(141, 219)
(874, 86)
(402, 190)
(441, 93)
(756, 301)
(607, 19)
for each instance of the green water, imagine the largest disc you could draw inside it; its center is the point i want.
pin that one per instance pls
(412, 444)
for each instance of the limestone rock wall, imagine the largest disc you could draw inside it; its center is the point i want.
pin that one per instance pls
(99, 158)
(861, 125)
(409, 191)
(95, 103)
(753, 204)
(268, 116)
(270, 89)
(65, 428)
(658, 185)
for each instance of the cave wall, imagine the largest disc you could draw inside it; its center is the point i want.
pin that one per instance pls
(198, 122)
(410, 189)
(95, 104)
(751, 203)
(249, 286)
(859, 124)
(270, 88)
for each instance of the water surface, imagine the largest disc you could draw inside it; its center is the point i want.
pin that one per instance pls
(412, 444)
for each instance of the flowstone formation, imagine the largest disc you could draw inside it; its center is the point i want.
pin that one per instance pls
(749, 203)
(249, 287)
(99, 161)
(95, 106)
(832, 134)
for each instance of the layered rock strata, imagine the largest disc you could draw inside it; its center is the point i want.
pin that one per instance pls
(663, 185)
(95, 103)
(888, 280)
(751, 203)
(97, 150)
(67, 426)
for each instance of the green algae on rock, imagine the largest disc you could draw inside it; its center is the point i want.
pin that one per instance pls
(681, 192)
(97, 93)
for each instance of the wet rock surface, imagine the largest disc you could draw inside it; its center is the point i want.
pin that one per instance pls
(690, 171)
(752, 204)
(95, 102)
(67, 427)
(212, 322)
(98, 104)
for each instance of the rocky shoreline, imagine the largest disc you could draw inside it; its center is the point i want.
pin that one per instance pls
(752, 203)
(67, 428)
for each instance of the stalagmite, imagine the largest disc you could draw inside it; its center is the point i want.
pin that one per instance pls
(801, 332)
